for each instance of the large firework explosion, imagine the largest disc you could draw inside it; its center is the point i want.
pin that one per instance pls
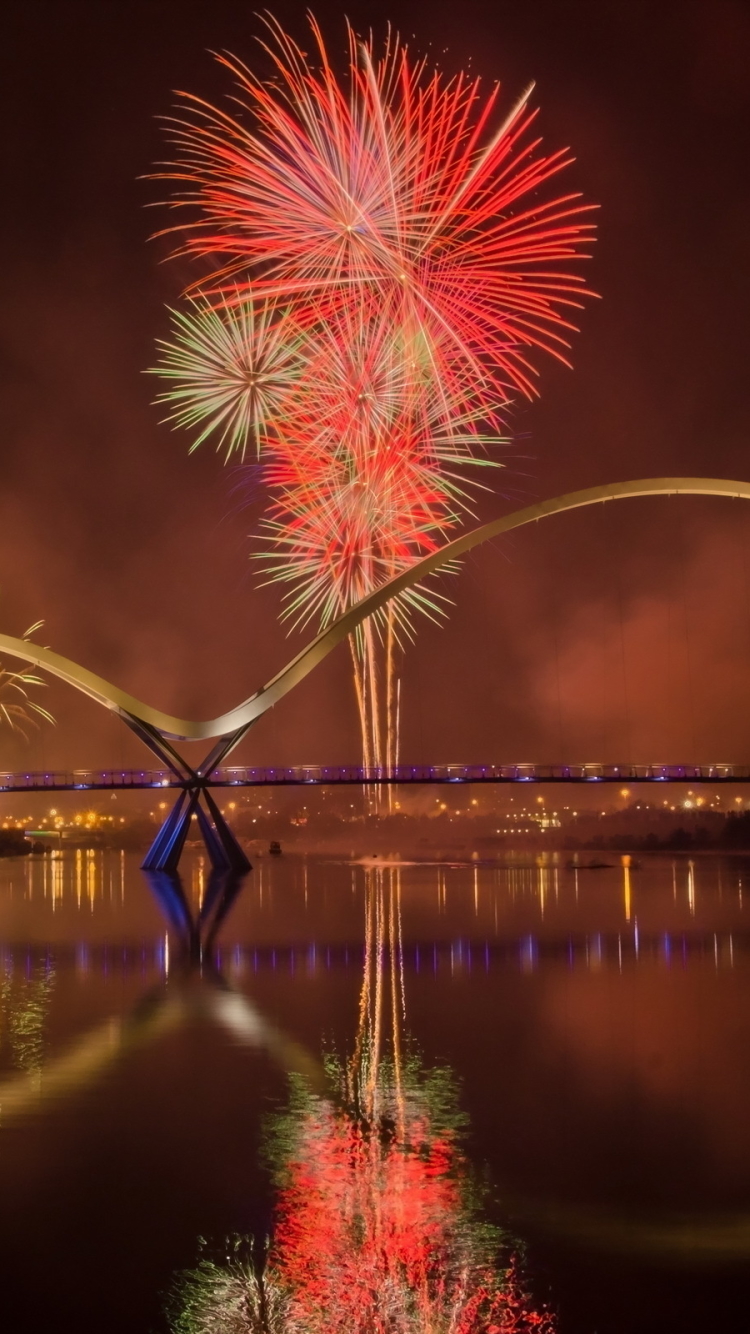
(380, 262)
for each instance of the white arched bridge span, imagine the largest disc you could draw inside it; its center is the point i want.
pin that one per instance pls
(158, 729)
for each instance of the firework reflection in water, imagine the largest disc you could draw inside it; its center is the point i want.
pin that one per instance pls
(377, 1228)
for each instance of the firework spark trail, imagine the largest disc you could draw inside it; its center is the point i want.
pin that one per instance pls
(17, 710)
(382, 265)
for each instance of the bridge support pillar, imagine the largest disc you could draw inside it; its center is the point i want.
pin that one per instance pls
(224, 851)
(194, 802)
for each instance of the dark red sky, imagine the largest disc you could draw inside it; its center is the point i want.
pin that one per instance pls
(136, 555)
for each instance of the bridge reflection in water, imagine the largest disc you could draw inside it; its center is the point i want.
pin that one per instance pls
(191, 986)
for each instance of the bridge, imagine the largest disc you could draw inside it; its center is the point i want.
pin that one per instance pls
(352, 775)
(157, 730)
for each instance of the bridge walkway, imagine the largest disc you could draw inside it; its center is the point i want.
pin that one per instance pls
(93, 780)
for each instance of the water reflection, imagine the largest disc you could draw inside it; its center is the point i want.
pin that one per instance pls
(596, 1016)
(195, 933)
(378, 1220)
(596, 915)
(24, 1006)
(191, 987)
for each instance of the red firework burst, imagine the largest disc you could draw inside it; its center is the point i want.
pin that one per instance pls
(395, 193)
(383, 258)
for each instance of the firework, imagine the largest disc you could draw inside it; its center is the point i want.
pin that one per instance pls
(17, 710)
(382, 258)
(231, 369)
(395, 191)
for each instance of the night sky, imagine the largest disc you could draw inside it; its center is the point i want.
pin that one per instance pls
(619, 634)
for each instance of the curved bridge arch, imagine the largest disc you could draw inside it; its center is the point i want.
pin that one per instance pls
(157, 730)
(235, 722)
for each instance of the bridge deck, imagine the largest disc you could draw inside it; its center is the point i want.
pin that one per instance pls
(354, 775)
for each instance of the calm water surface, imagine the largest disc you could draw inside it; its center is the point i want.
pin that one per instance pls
(378, 1097)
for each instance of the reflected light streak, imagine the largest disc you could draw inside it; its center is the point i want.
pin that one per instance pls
(626, 886)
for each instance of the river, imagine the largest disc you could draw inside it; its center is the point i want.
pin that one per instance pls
(374, 1095)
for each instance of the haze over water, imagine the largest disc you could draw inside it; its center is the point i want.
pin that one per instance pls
(571, 1037)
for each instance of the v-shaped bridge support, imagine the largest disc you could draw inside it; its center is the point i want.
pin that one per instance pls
(194, 801)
